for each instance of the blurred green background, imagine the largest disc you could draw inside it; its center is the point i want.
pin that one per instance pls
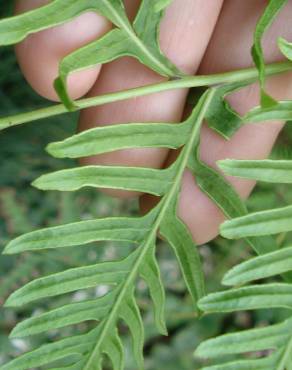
(23, 208)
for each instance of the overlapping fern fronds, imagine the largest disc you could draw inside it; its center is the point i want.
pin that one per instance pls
(87, 351)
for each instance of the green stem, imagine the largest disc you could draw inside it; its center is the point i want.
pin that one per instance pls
(185, 82)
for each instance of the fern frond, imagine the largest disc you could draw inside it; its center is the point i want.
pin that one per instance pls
(74, 313)
(281, 110)
(259, 339)
(258, 223)
(285, 47)
(78, 233)
(266, 363)
(261, 267)
(145, 180)
(139, 40)
(72, 280)
(276, 337)
(222, 117)
(107, 139)
(276, 171)
(264, 296)
(268, 16)
(249, 298)
(88, 351)
(179, 238)
(213, 184)
(119, 303)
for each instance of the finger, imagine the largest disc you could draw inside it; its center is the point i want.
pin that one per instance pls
(39, 55)
(184, 37)
(251, 141)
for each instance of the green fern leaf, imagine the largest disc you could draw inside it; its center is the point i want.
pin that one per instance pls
(145, 180)
(161, 4)
(74, 313)
(279, 171)
(72, 280)
(151, 274)
(285, 47)
(261, 267)
(88, 351)
(280, 111)
(259, 339)
(267, 363)
(139, 41)
(107, 139)
(221, 117)
(121, 275)
(17, 28)
(249, 298)
(179, 238)
(258, 223)
(78, 233)
(130, 313)
(113, 347)
(73, 347)
(266, 19)
(225, 197)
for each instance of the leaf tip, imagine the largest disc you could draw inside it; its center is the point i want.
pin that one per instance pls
(282, 43)
(227, 279)
(199, 352)
(10, 302)
(224, 230)
(8, 250)
(201, 303)
(163, 330)
(15, 333)
(52, 149)
(61, 90)
(38, 183)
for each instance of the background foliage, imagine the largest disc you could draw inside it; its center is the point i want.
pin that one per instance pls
(23, 208)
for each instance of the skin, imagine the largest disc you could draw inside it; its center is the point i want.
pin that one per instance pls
(199, 37)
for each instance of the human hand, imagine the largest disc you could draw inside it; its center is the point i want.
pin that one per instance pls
(200, 37)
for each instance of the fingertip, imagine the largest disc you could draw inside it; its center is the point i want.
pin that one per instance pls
(39, 55)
